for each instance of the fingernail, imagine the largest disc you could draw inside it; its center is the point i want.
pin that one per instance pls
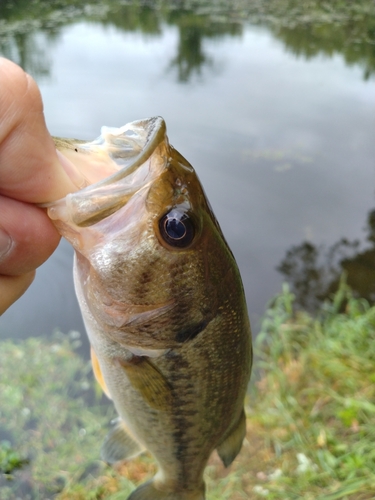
(6, 243)
(74, 174)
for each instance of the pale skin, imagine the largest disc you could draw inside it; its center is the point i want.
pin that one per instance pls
(31, 172)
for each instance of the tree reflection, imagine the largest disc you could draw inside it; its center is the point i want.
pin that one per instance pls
(190, 56)
(135, 17)
(29, 51)
(315, 272)
(354, 41)
(28, 32)
(305, 28)
(193, 29)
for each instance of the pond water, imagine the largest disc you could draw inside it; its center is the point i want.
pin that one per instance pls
(277, 117)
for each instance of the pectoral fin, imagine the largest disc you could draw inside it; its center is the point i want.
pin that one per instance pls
(148, 381)
(230, 447)
(118, 445)
(98, 373)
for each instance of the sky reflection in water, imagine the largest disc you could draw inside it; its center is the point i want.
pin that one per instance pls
(283, 144)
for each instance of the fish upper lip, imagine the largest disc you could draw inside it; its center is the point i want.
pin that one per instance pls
(96, 201)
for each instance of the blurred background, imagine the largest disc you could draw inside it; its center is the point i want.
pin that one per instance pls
(271, 101)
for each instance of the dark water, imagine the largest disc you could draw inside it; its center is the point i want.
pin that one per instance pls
(273, 106)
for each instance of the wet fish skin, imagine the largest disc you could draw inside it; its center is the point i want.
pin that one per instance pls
(167, 322)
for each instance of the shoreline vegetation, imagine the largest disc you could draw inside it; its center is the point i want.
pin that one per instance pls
(311, 414)
(308, 29)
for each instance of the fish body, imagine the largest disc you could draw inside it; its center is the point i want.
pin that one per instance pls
(163, 305)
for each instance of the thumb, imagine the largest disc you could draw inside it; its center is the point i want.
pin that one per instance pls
(30, 169)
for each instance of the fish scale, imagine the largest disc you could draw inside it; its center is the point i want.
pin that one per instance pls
(163, 305)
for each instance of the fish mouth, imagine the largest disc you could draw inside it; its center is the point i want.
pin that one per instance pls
(128, 152)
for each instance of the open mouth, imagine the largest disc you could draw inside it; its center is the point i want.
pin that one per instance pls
(126, 154)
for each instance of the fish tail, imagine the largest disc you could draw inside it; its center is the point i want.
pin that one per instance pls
(148, 491)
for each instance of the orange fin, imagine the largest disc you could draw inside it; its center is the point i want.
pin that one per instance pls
(98, 373)
(148, 381)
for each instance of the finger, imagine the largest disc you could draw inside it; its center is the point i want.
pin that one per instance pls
(27, 239)
(29, 167)
(12, 287)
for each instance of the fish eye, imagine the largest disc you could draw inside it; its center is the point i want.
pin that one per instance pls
(176, 228)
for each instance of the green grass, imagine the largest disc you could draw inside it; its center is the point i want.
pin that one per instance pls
(311, 415)
(10, 458)
(50, 423)
(315, 399)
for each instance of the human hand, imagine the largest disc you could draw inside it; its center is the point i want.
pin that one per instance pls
(31, 171)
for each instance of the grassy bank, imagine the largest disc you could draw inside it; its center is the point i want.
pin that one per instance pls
(311, 415)
(314, 405)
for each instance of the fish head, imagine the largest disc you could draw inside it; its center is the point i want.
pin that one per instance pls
(151, 261)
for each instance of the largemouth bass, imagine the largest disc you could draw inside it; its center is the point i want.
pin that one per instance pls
(163, 305)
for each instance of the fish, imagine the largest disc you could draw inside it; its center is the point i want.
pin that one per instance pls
(163, 305)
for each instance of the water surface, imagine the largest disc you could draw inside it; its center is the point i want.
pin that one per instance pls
(275, 113)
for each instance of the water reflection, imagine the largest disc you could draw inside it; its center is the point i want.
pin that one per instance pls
(145, 19)
(193, 29)
(314, 272)
(354, 41)
(31, 51)
(310, 30)
(270, 135)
